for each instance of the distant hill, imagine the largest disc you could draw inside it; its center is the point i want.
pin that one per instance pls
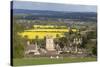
(55, 14)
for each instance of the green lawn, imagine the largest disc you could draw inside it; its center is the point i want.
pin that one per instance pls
(45, 60)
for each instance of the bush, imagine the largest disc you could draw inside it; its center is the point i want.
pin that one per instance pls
(94, 51)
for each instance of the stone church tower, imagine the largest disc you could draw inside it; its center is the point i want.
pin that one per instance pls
(50, 43)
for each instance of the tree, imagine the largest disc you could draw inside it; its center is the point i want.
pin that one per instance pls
(94, 51)
(56, 40)
(62, 42)
(18, 47)
(37, 39)
(18, 42)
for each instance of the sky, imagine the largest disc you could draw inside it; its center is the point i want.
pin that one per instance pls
(53, 6)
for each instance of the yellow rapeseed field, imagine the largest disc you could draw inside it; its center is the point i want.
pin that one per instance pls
(42, 32)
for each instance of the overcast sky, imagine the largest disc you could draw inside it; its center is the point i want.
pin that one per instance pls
(53, 7)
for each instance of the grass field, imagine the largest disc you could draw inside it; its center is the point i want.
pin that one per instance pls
(46, 60)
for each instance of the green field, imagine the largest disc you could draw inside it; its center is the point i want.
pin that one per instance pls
(46, 60)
